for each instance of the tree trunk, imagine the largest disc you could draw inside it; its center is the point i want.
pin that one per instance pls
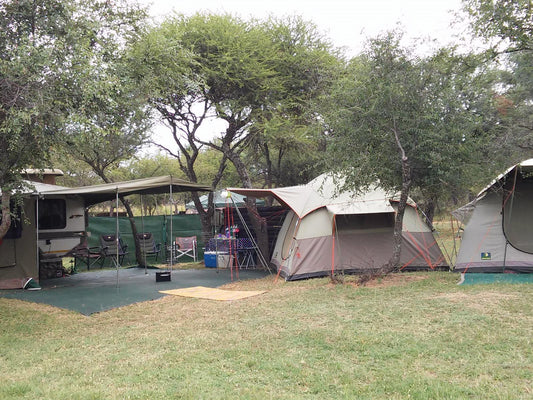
(138, 254)
(394, 263)
(206, 216)
(429, 210)
(6, 213)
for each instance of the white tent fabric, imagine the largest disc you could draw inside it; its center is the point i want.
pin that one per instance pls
(327, 230)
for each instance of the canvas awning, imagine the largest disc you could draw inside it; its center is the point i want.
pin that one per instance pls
(300, 199)
(323, 192)
(108, 191)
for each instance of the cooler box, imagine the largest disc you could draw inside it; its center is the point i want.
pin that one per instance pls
(210, 259)
(225, 261)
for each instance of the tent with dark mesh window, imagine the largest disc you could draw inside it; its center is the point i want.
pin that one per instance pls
(327, 231)
(498, 233)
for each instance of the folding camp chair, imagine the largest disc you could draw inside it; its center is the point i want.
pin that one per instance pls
(185, 246)
(87, 255)
(108, 249)
(148, 246)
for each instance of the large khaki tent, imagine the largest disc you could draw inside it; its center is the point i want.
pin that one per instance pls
(326, 231)
(498, 233)
(54, 221)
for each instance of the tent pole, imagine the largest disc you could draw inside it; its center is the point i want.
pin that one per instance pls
(37, 234)
(510, 215)
(142, 226)
(171, 231)
(334, 231)
(257, 249)
(116, 231)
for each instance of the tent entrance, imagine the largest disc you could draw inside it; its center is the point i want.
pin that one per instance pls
(517, 225)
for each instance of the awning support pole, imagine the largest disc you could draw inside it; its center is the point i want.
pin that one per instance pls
(116, 232)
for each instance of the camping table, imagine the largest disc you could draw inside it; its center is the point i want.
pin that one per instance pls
(242, 247)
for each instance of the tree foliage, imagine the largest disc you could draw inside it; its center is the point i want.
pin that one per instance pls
(35, 46)
(403, 121)
(507, 27)
(257, 77)
(506, 24)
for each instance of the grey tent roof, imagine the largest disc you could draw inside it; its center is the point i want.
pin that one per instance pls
(463, 213)
(99, 193)
(323, 192)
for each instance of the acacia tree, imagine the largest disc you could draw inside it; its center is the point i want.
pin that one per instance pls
(174, 87)
(507, 28)
(402, 121)
(237, 71)
(35, 46)
(109, 120)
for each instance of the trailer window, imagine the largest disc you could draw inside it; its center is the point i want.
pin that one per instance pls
(52, 214)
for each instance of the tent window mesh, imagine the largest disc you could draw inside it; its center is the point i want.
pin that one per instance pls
(365, 221)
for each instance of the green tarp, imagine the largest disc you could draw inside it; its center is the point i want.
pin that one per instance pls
(159, 226)
(487, 278)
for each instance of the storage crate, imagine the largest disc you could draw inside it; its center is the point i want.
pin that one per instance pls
(162, 276)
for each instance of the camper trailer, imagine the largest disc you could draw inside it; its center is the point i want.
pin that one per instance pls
(53, 223)
(47, 228)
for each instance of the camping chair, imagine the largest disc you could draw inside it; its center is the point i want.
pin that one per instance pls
(148, 245)
(108, 248)
(185, 246)
(87, 255)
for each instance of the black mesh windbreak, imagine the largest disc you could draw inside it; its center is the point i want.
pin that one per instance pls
(518, 210)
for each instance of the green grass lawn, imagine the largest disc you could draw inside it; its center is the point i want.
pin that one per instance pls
(411, 336)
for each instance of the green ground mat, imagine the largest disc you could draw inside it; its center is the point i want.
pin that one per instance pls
(96, 291)
(482, 278)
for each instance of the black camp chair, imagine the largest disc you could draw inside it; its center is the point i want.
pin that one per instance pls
(84, 254)
(149, 247)
(108, 249)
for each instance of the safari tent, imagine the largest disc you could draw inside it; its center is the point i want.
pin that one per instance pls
(53, 221)
(327, 232)
(498, 228)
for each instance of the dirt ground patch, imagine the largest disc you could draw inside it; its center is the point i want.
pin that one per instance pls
(391, 280)
(395, 280)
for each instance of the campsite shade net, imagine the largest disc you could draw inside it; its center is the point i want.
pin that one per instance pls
(157, 225)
